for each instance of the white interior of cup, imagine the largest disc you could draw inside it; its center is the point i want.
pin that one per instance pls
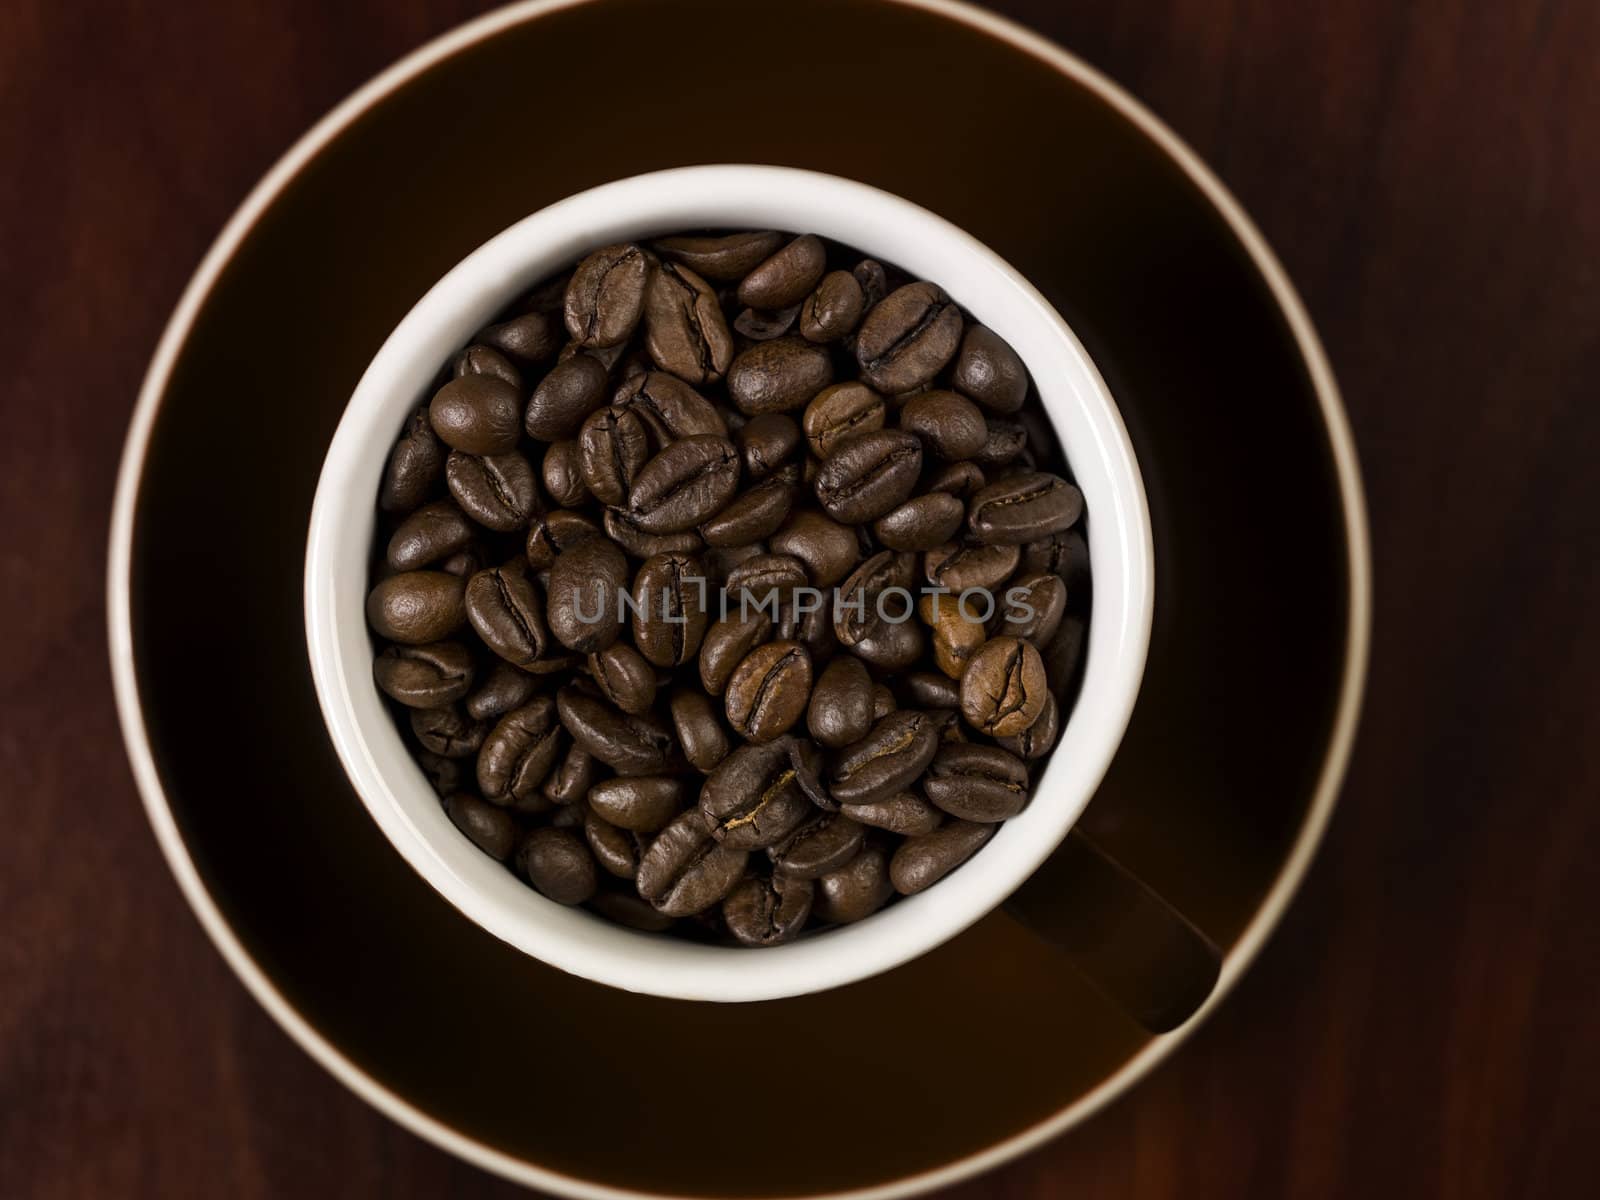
(343, 520)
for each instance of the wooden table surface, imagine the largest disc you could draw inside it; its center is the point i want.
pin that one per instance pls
(1424, 1023)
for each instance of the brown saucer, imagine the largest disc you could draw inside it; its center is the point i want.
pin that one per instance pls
(979, 1049)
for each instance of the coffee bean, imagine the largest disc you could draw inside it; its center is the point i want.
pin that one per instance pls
(1005, 444)
(642, 803)
(485, 360)
(551, 533)
(728, 641)
(856, 890)
(1063, 554)
(606, 296)
(622, 529)
(874, 281)
(501, 689)
(431, 534)
(477, 414)
(686, 483)
(869, 475)
(755, 515)
(571, 778)
(498, 491)
(416, 607)
(583, 606)
(415, 465)
(624, 677)
(1003, 689)
(778, 376)
(862, 609)
(988, 370)
(768, 691)
(787, 276)
(963, 480)
(908, 337)
(529, 338)
(959, 567)
(518, 753)
(1037, 739)
(893, 645)
(507, 612)
(921, 523)
(724, 258)
(670, 596)
(424, 676)
(888, 760)
(563, 474)
(759, 325)
(950, 425)
(828, 550)
(700, 732)
(753, 799)
(613, 447)
(1024, 508)
(628, 910)
(669, 408)
(446, 731)
(921, 862)
(1062, 655)
(882, 701)
(931, 690)
(629, 745)
(977, 783)
(825, 842)
(558, 864)
(767, 911)
(615, 849)
(840, 412)
(685, 331)
(904, 813)
(766, 442)
(956, 629)
(685, 871)
(840, 711)
(1033, 608)
(491, 829)
(565, 398)
(833, 309)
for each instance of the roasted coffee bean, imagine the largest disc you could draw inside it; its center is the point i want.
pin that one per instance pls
(464, 564)
(1033, 608)
(908, 337)
(424, 676)
(840, 711)
(921, 523)
(621, 528)
(768, 691)
(643, 803)
(893, 645)
(931, 690)
(962, 566)
(828, 550)
(728, 641)
(1062, 655)
(809, 621)
(626, 909)
(957, 632)
(883, 702)
(1003, 689)
(518, 753)
(564, 399)
(963, 480)
(583, 606)
(1005, 444)
(491, 829)
(689, 481)
(988, 370)
(833, 309)
(856, 890)
(507, 612)
(1063, 554)
(950, 425)
(766, 442)
(416, 607)
(823, 843)
(977, 783)
(869, 475)
(874, 281)
(431, 534)
(445, 775)
(605, 299)
(779, 376)
(921, 862)
(551, 533)
(1024, 508)
(571, 778)
(764, 580)
(725, 258)
(684, 329)
(1037, 739)
(759, 325)
(686, 871)
(624, 677)
(753, 799)
(750, 517)
(415, 465)
(617, 850)
(558, 864)
(888, 760)
(530, 338)
(563, 474)
(871, 597)
(477, 414)
(669, 408)
(670, 598)
(768, 911)
(840, 412)
(904, 813)
(498, 491)
(613, 447)
(696, 721)
(446, 731)
(629, 745)
(486, 360)
(501, 689)
(787, 276)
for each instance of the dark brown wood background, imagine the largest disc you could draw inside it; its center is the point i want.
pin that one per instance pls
(1424, 1024)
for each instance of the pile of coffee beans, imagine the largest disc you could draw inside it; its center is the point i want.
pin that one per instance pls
(730, 584)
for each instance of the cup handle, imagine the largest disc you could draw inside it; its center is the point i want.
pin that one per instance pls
(1129, 943)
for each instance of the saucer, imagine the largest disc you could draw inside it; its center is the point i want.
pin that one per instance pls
(940, 1068)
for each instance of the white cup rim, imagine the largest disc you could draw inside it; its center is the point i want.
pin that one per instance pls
(1087, 423)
